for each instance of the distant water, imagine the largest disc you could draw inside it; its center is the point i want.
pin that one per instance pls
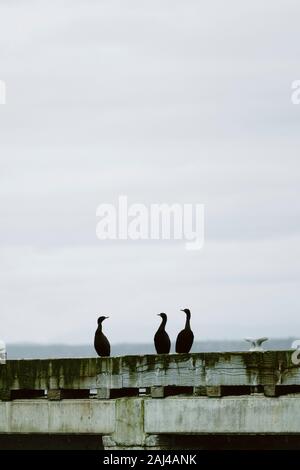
(39, 351)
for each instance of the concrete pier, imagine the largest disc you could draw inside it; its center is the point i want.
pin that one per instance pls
(141, 402)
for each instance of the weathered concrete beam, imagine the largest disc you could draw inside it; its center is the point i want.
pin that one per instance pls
(66, 416)
(229, 415)
(130, 422)
(197, 370)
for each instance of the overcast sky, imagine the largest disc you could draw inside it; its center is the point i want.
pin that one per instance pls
(163, 101)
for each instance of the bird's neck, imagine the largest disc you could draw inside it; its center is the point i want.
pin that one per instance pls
(163, 324)
(187, 323)
(100, 327)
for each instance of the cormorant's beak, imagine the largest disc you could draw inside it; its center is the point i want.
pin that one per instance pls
(106, 317)
(181, 310)
(158, 314)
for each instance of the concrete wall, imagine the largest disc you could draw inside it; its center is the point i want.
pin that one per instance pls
(228, 415)
(138, 422)
(67, 416)
(142, 422)
(189, 370)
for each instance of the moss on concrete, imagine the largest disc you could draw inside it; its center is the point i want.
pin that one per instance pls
(267, 367)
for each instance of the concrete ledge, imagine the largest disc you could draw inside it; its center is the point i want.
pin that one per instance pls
(230, 415)
(268, 368)
(130, 422)
(63, 417)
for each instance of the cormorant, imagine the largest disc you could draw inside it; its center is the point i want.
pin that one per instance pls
(185, 338)
(101, 343)
(161, 339)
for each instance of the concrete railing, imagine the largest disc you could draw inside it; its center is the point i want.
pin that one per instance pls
(211, 374)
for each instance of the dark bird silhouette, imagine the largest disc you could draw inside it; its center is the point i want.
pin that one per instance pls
(161, 338)
(185, 338)
(101, 343)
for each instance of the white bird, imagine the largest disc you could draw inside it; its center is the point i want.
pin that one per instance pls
(256, 343)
